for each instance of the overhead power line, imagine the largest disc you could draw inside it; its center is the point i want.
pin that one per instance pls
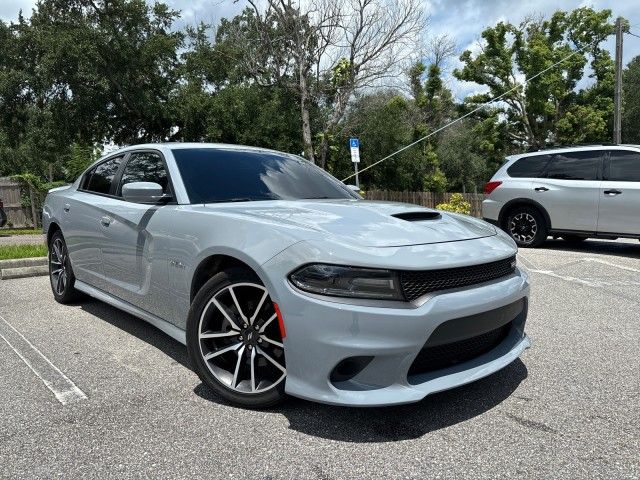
(480, 107)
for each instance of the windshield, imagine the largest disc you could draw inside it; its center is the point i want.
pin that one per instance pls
(232, 175)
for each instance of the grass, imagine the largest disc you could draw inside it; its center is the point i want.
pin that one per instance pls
(22, 251)
(20, 231)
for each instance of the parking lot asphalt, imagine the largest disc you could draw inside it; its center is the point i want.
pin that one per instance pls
(569, 408)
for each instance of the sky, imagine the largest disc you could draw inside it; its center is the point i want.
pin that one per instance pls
(462, 20)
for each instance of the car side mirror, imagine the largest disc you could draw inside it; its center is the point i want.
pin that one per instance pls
(142, 192)
(354, 188)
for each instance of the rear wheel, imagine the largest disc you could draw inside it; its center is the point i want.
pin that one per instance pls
(60, 272)
(234, 340)
(526, 226)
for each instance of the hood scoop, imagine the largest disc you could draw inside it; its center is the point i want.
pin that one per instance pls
(417, 216)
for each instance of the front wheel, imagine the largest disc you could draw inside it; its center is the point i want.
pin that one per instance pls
(234, 340)
(527, 227)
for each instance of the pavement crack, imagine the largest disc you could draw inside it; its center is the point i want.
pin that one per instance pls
(532, 424)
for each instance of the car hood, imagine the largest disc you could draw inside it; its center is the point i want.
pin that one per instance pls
(361, 222)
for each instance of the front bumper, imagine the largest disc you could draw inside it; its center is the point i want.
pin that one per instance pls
(323, 332)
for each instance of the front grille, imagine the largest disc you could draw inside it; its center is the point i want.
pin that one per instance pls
(437, 357)
(417, 283)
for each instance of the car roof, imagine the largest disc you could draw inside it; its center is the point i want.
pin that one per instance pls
(574, 148)
(185, 145)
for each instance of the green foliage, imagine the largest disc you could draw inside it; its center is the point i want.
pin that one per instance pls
(79, 158)
(551, 108)
(10, 252)
(79, 74)
(456, 204)
(631, 102)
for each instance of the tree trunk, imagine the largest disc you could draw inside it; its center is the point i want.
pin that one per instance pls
(307, 139)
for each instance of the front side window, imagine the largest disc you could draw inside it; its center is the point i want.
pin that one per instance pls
(101, 176)
(574, 166)
(624, 166)
(145, 167)
(226, 175)
(528, 167)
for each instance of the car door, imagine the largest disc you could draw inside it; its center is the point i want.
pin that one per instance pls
(83, 211)
(569, 190)
(135, 263)
(619, 210)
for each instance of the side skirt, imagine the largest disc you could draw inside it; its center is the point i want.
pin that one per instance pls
(168, 328)
(605, 235)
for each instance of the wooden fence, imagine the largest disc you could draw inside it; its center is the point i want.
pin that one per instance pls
(427, 199)
(17, 215)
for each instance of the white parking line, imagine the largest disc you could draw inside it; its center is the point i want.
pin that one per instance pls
(62, 387)
(604, 262)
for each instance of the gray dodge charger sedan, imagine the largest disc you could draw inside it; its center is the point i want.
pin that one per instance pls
(280, 279)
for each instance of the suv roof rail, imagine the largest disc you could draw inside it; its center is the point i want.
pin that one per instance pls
(573, 145)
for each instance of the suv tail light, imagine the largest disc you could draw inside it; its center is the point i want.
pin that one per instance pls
(491, 186)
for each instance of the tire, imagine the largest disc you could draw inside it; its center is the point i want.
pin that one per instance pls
(573, 238)
(232, 327)
(61, 274)
(527, 227)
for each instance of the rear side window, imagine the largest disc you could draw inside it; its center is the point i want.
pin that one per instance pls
(528, 167)
(624, 166)
(574, 166)
(101, 176)
(145, 167)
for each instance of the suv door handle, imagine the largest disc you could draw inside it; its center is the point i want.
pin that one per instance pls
(106, 221)
(66, 207)
(541, 189)
(612, 192)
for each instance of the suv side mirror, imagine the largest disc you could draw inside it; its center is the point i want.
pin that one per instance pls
(142, 192)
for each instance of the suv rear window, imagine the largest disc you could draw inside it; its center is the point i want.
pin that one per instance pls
(624, 166)
(528, 167)
(574, 166)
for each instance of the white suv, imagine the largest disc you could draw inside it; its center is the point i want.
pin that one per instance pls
(574, 193)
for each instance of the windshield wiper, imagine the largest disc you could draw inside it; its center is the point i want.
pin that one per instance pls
(315, 198)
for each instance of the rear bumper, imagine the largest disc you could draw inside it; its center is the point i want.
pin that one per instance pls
(491, 210)
(322, 333)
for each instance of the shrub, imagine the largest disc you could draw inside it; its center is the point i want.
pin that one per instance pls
(456, 204)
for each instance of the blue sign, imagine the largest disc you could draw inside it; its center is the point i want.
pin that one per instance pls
(354, 143)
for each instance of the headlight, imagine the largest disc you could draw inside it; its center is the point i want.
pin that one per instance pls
(348, 282)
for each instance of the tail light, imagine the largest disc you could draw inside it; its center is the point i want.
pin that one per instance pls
(491, 186)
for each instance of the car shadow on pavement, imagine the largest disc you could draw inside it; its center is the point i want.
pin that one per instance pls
(138, 328)
(629, 249)
(405, 422)
(347, 424)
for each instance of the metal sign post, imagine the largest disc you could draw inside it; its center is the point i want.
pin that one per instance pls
(354, 144)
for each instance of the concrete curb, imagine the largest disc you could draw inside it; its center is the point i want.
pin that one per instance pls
(23, 267)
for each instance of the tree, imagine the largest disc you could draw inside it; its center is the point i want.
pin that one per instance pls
(88, 72)
(325, 52)
(550, 108)
(631, 102)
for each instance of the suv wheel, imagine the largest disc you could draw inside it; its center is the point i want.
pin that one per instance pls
(526, 226)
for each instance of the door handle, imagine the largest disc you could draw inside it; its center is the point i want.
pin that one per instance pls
(106, 221)
(541, 189)
(66, 207)
(612, 192)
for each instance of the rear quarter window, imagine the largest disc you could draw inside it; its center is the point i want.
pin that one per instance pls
(581, 165)
(528, 167)
(624, 166)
